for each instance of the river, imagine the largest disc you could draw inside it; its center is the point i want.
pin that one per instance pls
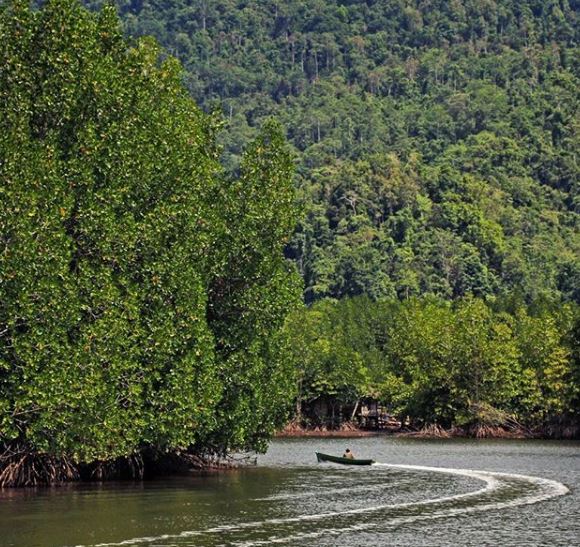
(421, 492)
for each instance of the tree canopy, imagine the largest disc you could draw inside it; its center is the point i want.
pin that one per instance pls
(455, 364)
(436, 140)
(142, 289)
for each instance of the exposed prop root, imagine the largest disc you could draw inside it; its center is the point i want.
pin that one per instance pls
(174, 462)
(22, 467)
(346, 430)
(557, 431)
(483, 431)
(433, 430)
(130, 467)
(489, 422)
(292, 428)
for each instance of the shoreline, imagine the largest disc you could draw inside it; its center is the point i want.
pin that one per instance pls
(430, 433)
(331, 433)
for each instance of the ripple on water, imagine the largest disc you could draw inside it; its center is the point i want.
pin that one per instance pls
(353, 503)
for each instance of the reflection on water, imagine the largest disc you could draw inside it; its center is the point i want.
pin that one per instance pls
(290, 499)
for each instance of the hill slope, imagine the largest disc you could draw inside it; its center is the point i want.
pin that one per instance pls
(436, 140)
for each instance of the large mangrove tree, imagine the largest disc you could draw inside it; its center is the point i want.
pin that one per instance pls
(141, 290)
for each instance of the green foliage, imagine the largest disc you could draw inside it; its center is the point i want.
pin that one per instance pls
(250, 296)
(436, 362)
(327, 363)
(436, 140)
(141, 290)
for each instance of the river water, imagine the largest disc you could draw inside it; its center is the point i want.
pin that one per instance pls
(420, 493)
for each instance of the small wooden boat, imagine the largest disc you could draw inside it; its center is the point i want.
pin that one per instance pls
(346, 461)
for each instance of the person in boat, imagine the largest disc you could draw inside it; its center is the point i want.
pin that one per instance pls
(348, 454)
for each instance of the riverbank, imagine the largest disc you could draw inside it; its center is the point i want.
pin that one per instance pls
(22, 466)
(477, 431)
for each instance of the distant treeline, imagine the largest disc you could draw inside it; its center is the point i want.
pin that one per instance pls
(463, 364)
(436, 140)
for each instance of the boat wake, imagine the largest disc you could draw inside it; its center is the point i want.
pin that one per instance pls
(499, 491)
(326, 491)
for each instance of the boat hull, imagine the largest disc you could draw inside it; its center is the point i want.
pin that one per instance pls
(344, 461)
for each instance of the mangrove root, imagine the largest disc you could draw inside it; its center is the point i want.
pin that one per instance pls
(22, 467)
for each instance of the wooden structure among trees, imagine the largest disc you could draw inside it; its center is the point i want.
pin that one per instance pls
(370, 414)
(373, 415)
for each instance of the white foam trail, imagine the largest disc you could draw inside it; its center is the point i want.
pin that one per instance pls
(549, 489)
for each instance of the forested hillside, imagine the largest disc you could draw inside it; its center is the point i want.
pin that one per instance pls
(436, 140)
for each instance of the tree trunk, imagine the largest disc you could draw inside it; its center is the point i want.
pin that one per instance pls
(354, 410)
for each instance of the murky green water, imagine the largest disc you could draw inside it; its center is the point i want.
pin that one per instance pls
(482, 493)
